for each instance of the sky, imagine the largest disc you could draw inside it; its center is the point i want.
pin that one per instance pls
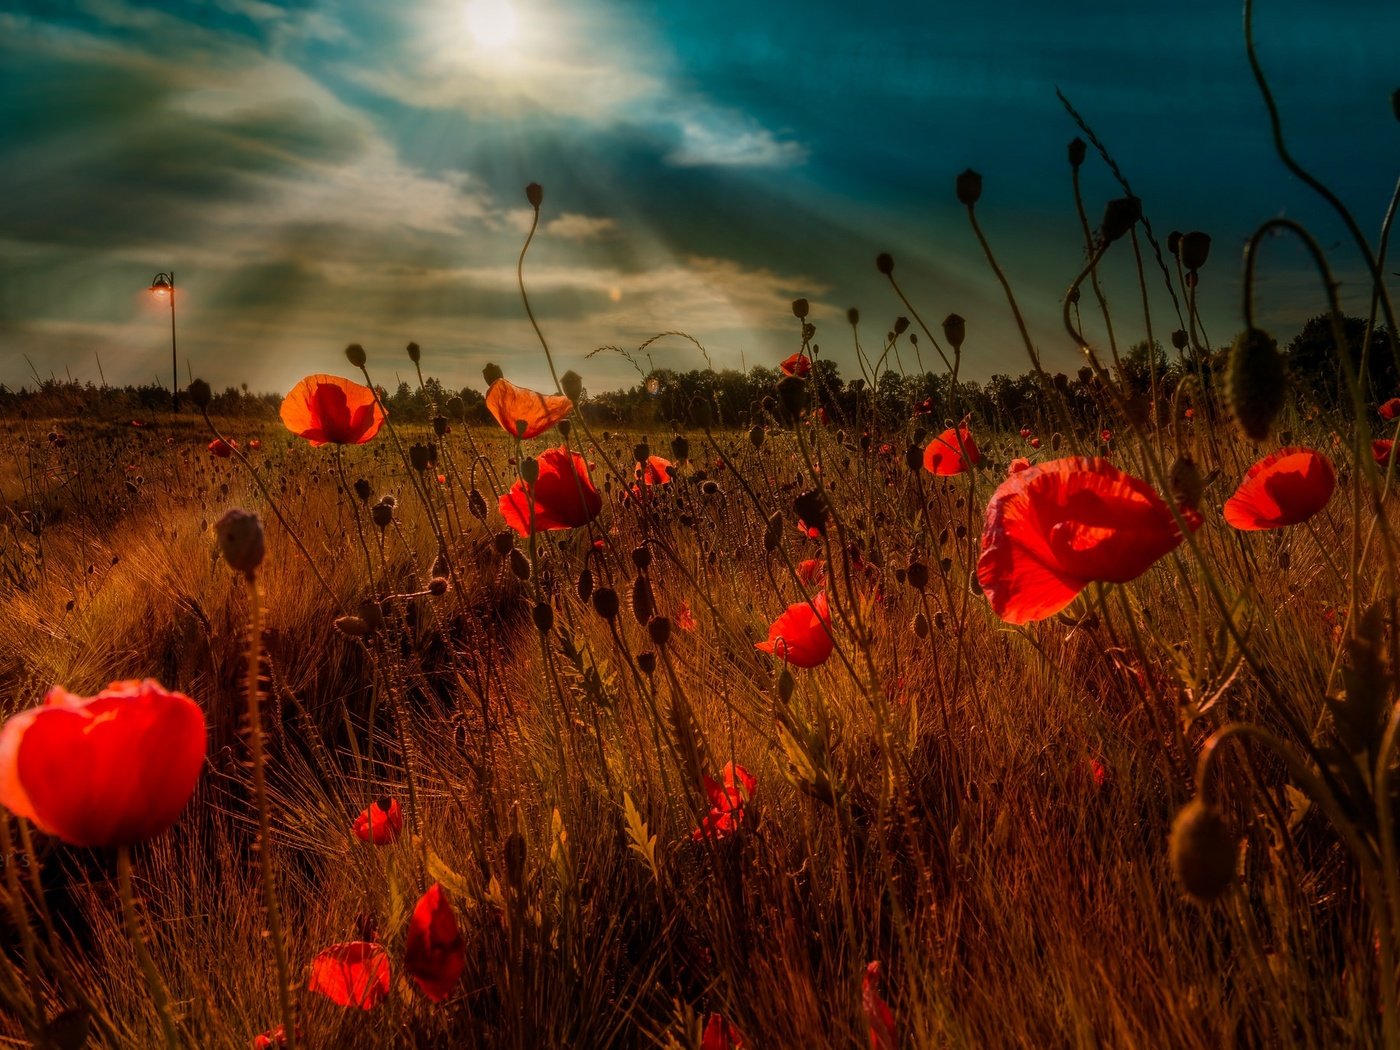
(318, 173)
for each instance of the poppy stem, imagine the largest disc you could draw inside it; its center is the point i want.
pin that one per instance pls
(255, 745)
(159, 996)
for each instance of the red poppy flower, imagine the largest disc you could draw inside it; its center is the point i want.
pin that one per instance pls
(657, 471)
(111, 770)
(1284, 488)
(1190, 413)
(811, 571)
(329, 410)
(355, 973)
(563, 495)
(525, 413)
(434, 954)
(801, 634)
(139, 424)
(950, 452)
(221, 448)
(1052, 530)
(1035, 442)
(381, 822)
(1391, 408)
(1025, 432)
(274, 1037)
(797, 365)
(1381, 450)
(1106, 435)
(721, 1035)
(727, 802)
(878, 1014)
(255, 444)
(685, 619)
(1017, 465)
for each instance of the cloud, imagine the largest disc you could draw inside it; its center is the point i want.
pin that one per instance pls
(715, 138)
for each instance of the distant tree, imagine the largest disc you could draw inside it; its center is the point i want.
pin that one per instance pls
(1314, 362)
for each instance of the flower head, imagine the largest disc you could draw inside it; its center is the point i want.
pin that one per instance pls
(1284, 488)
(434, 954)
(802, 634)
(525, 413)
(562, 497)
(354, 973)
(329, 410)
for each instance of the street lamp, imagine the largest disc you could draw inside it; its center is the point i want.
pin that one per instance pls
(163, 287)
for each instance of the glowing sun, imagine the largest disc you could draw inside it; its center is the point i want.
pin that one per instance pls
(492, 24)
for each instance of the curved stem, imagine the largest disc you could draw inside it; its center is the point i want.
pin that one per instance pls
(159, 996)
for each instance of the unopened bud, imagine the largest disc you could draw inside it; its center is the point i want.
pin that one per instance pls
(355, 354)
(969, 188)
(240, 535)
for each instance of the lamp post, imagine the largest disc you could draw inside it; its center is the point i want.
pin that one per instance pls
(163, 287)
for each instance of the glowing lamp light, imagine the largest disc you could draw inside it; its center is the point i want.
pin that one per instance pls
(161, 287)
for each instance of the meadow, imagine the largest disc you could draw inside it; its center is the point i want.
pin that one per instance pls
(799, 722)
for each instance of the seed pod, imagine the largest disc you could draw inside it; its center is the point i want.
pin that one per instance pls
(914, 458)
(853, 317)
(491, 373)
(680, 448)
(363, 490)
(440, 425)
(572, 384)
(585, 585)
(969, 187)
(1077, 150)
(811, 510)
(355, 354)
(476, 503)
(756, 436)
(954, 330)
(530, 470)
(200, 394)
(351, 626)
(799, 308)
(659, 630)
(543, 616)
(773, 534)
(1174, 243)
(519, 564)
(641, 557)
(920, 625)
(646, 662)
(1204, 853)
(437, 586)
(605, 603)
(793, 396)
(1256, 382)
(503, 542)
(534, 193)
(418, 457)
(240, 536)
(1180, 340)
(884, 262)
(642, 603)
(918, 575)
(901, 325)
(786, 684)
(373, 616)
(1185, 482)
(382, 514)
(457, 409)
(1195, 249)
(1119, 216)
(415, 354)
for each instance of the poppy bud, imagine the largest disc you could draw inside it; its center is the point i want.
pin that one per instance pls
(1204, 853)
(1195, 249)
(1185, 482)
(641, 452)
(382, 514)
(773, 534)
(534, 193)
(1174, 243)
(792, 394)
(530, 470)
(456, 408)
(642, 603)
(809, 330)
(969, 187)
(1119, 216)
(1077, 150)
(920, 625)
(1256, 382)
(954, 330)
(884, 262)
(1180, 339)
(605, 603)
(476, 503)
(351, 626)
(756, 436)
(437, 586)
(901, 325)
(440, 426)
(240, 535)
(659, 630)
(519, 565)
(362, 490)
(372, 614)
(585, 585)
(1055, 441)
(786, 685)
(491, 373)
(799, 308)
(355, 354)
(418, 457)
(200, 394)
(646, 662)
(853, 317)
(918, 575)
(543, 616)
(414, 353)
(680, 448)
(572, 384)
(641, 557)
(914, 458)
(504, 542)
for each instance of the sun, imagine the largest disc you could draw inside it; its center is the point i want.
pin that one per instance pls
(492, 24)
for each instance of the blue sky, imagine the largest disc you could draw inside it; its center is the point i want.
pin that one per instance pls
(319, 173)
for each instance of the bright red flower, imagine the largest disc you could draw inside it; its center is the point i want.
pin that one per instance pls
(811, 571)
(1284, 488)
(727, 802)
(329, 410)
(221, 448)
(1106, 435)
(111, 770)
(274, 1038)
(950, 452)
(801, 635)
(878, 1014)
(685, 619)
(381, 822)
(721, 1035)
(355, 973)
(563, 496)
(1025, 432)
(797, 365)
(1391, 408)
(255, 444)
(1052, 530)
(1190, 413)
(1035, 442)
(657, 471)
(1381, 450)
(434, 953)
(1017, 465)
(525, 413)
